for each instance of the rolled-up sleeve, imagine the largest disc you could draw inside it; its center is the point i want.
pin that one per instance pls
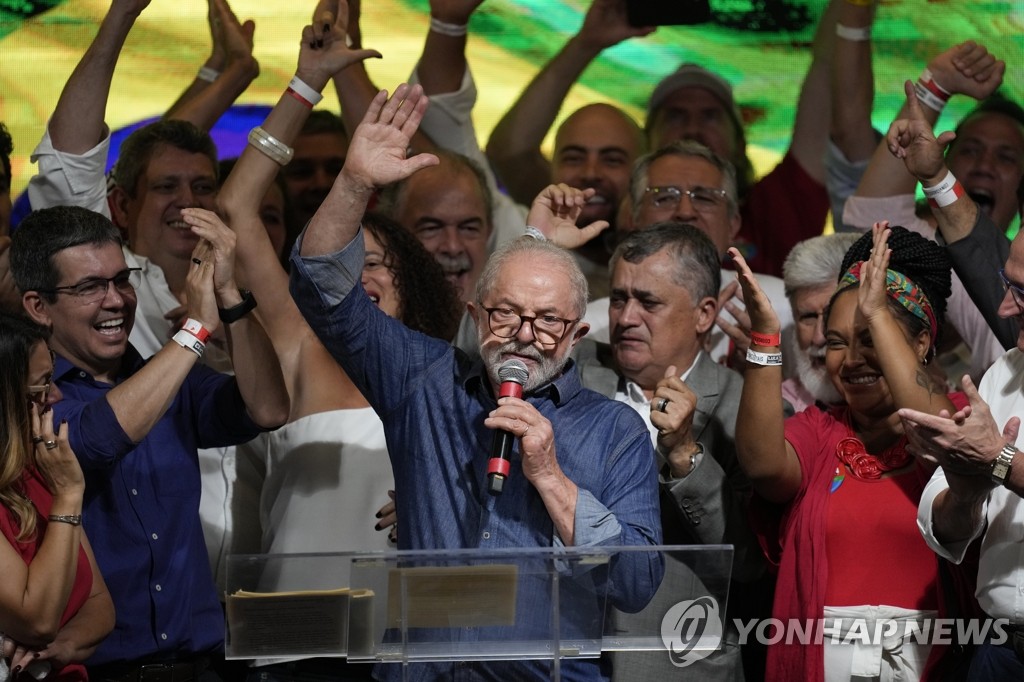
(954, 551)
(70, 179)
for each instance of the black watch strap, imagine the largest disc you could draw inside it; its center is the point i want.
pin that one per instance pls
(239, 310)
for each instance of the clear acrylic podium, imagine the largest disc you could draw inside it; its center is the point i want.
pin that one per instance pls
(466, 605)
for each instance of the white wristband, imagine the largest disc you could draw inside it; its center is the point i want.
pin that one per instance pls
(944, 185)
(535, 233)
(856, 34)
(270, 145)
(299, 87)
(764, 359)
(187, 340)
(207, 74)
(931, 94)
(447, 29)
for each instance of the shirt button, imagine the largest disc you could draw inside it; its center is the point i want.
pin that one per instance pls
(157, 588)
(487, 535)
(154, 536)
(163, 635)
(134, 491)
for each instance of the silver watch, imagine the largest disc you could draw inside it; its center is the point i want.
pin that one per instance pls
(1002, 463)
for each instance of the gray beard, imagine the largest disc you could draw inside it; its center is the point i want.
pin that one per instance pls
(815, 380)
(548, 368)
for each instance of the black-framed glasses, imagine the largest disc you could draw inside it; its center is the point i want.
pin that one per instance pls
(549, 330)
(95, 288)
(703, 199)
(38, 393)
(1015, 290)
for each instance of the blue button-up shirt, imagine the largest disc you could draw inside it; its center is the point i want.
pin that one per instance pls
(141, 508)
(433, 401)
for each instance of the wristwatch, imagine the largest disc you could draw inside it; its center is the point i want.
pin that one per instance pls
(1002, 463)
(239, 310)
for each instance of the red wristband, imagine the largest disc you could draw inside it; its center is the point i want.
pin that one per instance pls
(196, 329)
(766, 339)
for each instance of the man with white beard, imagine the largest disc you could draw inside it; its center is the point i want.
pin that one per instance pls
(809, 273)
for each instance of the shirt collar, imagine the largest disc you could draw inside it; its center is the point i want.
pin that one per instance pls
(131, 361)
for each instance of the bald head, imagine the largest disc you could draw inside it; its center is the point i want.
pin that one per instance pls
(595, 147)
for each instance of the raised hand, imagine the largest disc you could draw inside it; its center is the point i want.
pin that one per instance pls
(730, 300)
(454, 11)
(758, 307)
(606, 24)
(912, 140)
(325, 50)
(230, 36)
(968, 69)
(871, 298)
(377, 151)
(54, 457)
(555, 210)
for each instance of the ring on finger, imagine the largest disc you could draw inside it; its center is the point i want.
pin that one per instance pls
(197, 261)
(36, 440)
(50, 444)
(662, 405)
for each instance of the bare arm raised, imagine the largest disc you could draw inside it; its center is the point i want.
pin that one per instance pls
(514, 146)
(769, 461)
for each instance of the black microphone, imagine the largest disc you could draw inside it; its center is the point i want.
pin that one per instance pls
(513, 375)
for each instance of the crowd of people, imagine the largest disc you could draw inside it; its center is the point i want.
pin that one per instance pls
(301, 351)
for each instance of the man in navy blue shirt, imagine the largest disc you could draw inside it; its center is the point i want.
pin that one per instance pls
(136, 424)
(582, 472)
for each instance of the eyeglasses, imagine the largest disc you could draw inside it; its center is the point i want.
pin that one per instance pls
(40, 392)
(1015, 291)
(703, 199)
(505, 323)
(95, 288)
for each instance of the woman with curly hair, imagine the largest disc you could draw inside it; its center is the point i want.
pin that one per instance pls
(54, 605)
(843, 489)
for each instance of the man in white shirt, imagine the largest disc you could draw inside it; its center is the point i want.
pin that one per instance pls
(977, 491)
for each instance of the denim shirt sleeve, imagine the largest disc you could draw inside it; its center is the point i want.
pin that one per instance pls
(595, 523)
(327, 279)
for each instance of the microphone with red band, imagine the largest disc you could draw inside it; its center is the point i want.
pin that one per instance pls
(513, 375)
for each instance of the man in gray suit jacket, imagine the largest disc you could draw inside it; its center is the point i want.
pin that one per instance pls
(664, 301)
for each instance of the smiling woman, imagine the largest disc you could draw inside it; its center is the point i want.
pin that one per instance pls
(828, 467)
(53, 602)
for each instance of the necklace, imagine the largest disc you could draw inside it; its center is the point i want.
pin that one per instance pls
(866, 466)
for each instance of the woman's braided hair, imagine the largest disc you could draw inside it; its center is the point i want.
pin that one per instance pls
(920, 260)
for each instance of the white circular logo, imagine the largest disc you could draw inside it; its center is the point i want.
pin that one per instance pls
(691, 630)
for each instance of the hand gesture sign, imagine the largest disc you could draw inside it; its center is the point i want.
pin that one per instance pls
(325, 47)
(555, 210)
(912, 140)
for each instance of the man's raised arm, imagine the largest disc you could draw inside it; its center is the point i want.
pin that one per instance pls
(376, 157)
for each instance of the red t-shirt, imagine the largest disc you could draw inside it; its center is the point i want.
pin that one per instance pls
(784, 207)
(36, 491)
